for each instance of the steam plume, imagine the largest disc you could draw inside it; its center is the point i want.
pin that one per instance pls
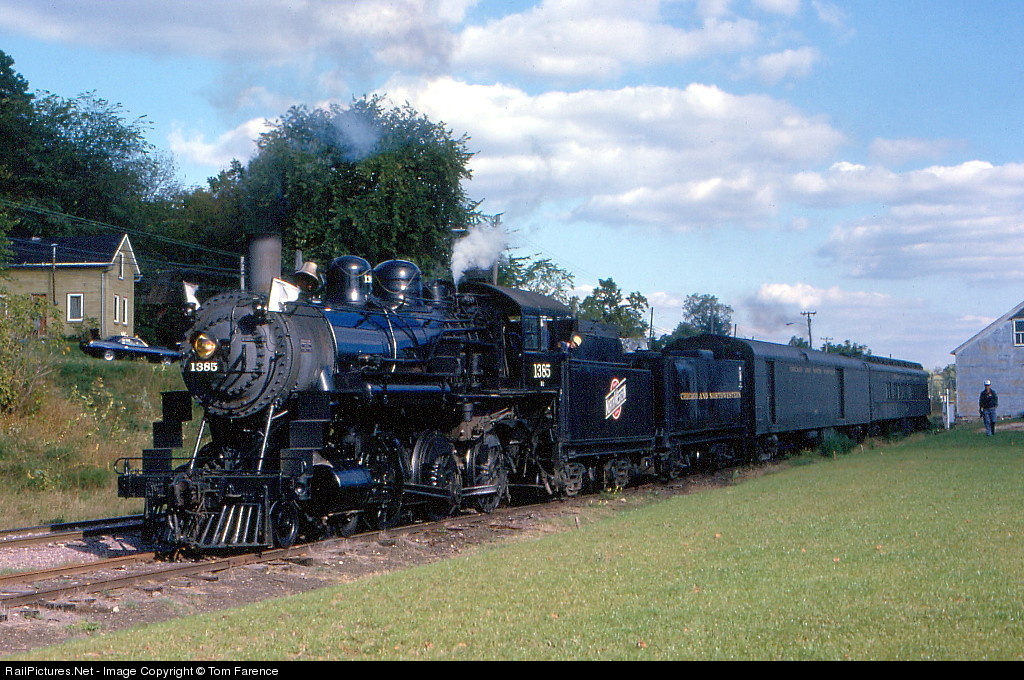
(480, 248)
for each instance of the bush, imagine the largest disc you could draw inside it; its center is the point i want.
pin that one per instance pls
(26, 355)
(836, 443)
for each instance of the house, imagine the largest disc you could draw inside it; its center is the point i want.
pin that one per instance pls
(91, 279)
(996, 353)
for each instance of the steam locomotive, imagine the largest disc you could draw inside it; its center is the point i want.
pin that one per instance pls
(380, 396)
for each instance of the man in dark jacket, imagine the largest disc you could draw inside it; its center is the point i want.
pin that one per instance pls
(987, 403)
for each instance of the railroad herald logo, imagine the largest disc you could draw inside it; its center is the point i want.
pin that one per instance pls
(615, 399)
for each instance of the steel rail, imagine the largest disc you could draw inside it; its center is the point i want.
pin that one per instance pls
(70, 531)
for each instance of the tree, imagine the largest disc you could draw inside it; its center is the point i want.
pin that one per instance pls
(18, 138)
(81, 156)
(537, 275)
(701, 314)
(707, 315)
(847, 348)
(607, 305)
(368, 180)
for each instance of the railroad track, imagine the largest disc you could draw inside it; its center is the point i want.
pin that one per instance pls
(49, 585)
(67, 531)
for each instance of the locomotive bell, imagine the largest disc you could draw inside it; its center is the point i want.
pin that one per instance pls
(398, 282)
(348, 281)
(307, 277)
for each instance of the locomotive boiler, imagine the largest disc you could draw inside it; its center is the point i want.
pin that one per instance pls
(378, 397)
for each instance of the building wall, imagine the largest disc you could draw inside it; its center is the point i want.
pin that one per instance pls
(99, 287)
(991, 357)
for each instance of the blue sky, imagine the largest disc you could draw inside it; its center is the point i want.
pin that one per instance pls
(862, 160)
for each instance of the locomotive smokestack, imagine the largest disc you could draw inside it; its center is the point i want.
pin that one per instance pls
(264, 261)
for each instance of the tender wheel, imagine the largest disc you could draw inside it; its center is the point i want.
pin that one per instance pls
(767, 447)
(573, 477)
(721, 455)
(618, 472)
(284, 524)
(490, 469)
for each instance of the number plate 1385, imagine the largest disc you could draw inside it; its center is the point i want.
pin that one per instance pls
(204, 366)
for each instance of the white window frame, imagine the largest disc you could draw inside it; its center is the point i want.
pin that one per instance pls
(1018, 332)
(81, 307)
(120, 270)
(124, 310)
(117, 309)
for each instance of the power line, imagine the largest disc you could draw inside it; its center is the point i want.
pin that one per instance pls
(103, 225)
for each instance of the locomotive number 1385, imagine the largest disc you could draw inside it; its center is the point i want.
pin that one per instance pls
(204, 366)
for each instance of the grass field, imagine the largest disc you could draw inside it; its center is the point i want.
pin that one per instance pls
(57, 450)
(910, 550)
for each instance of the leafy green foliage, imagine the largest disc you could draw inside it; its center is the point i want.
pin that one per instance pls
(81, 156)
(26, 354)
(836, 444)
(537, 275)
(607, 304)
(702, 313)
(375, 181)
(846, 348)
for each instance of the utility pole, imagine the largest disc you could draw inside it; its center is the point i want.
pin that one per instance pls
(53, 273)
(810, 338)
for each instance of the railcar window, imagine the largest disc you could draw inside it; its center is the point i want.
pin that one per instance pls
(531, 332)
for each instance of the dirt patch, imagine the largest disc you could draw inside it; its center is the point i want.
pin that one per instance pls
(27, 628)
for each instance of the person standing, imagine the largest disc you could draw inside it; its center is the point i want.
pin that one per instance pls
(987, 403)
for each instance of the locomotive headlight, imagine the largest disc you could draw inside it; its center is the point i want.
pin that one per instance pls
(204, 346)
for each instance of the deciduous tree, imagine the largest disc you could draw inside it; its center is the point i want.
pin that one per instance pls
(607, 304)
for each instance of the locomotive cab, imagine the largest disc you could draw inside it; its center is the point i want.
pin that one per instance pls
(534, 332)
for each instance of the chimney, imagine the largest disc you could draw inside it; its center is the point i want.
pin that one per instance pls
(264, 261)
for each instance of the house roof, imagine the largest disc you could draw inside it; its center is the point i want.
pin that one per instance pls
(72, 251)
(1016, 311)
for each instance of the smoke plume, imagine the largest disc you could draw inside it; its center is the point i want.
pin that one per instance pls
(480, 248)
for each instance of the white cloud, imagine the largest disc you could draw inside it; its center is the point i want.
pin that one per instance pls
(239, 143)
(887, 324)
(674, 158)
(964, 220)
(899, 151)
(594, 39)
(236, 29)
(294, 47)
(785, 7)
(785, 65)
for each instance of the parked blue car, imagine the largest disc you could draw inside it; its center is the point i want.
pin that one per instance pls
(128, 347)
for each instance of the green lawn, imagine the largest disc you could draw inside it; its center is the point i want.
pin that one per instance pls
(910, 550)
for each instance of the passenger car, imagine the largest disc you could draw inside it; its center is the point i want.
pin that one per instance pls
(128, 347)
